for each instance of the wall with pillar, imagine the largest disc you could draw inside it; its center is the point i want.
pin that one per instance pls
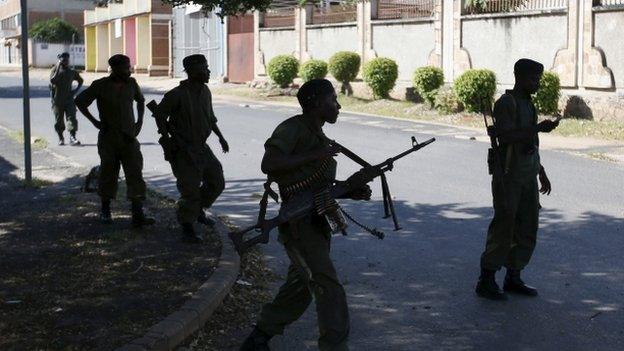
(277, 42)
(409, 44)
(609, 30)
(496, 43)
(346, 39)
(90, 50)
(144, 44)
(101, 48)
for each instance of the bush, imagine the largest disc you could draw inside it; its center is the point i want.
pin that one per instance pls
(344, 66)
(283, 69)
(446, 101)
(313, 69)
(547, 97)
(54, 30)
(380, 74)
(427, 80)
(475, 89)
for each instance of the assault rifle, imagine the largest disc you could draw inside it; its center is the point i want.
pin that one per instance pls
(302, 204)
(168, 140)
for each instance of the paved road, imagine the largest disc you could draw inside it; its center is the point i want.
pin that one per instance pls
(414, 290)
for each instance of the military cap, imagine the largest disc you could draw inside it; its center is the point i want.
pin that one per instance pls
(192, 60)
(65, 54)
(528, 66)
(118, 59)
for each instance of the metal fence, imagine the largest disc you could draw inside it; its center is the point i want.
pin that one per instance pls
(334, 12)
(608, 2)
(498, 6)
(280, 14)
(405, 9)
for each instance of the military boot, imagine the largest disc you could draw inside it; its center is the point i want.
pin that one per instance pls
(514, 284)
(61, 141)
(205, 220)
(487, 287)
(256, 341)
(72, 140)
(139, 218)
(105, 213)
(189, 234)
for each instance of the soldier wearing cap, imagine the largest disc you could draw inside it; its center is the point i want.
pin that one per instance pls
(512, 233)
(117, 140)
(61, 79)
(187, 111)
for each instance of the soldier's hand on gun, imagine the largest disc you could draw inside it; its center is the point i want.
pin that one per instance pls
(547, 126)
(363, 193)
(224, 145)
(330, 150)
(546, 187)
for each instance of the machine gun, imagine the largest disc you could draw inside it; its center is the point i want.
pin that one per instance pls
(303, 203)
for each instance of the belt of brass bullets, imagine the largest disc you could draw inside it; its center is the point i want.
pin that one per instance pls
(317, 177)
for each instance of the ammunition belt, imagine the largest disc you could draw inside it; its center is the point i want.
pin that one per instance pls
(315, 179)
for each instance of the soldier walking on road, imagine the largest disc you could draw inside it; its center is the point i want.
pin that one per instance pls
(297, 153)
(117, 142)
(61, 78)
(512, 233)
(187, 113)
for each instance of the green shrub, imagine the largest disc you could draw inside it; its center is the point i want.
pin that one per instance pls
(283, 69)
(547, 97)
(313, 69)
(54, 30)
(427, 80)
(475, 88)
(344, 66)
(380, 74)
(446, 101)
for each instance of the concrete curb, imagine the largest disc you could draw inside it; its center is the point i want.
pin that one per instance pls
(176, 327)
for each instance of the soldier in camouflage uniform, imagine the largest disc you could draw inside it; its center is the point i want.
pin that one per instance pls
(61, 78)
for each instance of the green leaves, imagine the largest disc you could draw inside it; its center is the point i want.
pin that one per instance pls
(427, 80)
(313, 69)
(380, 74)
(283, 69)
(475, 89)
(54, 30)
(547, 97)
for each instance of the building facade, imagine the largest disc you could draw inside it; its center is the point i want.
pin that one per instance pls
(139, 29)
(38, 10)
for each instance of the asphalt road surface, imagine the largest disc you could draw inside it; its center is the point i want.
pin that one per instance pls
(415, 289)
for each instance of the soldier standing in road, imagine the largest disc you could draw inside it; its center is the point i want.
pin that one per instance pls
(117, 142)
(512, 233)
(297, 153)
(187, 112)
(61, 79)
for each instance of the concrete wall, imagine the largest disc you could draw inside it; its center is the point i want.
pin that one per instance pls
(45, 54)
(277, 42)
(609, 31)
(408, 44)
(497, 43)
(325, 41)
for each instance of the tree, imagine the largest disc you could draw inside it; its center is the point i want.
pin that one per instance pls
(226, 7)
(54, 30)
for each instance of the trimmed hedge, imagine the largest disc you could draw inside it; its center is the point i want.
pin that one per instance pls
(283, 70)
(547, 97)
(446, 101)
(344, 66)
(313, 69)
(380, 74)
(475, 89)
(427, 80)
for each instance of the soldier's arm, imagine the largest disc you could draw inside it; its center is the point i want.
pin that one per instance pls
(54, 74)
(140, 100)
(164, 111)
(86, 98)
(80, 81)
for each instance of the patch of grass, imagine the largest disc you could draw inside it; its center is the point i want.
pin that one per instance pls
(36, 183)
(38, 143)
(408, 110)
(601, 156)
